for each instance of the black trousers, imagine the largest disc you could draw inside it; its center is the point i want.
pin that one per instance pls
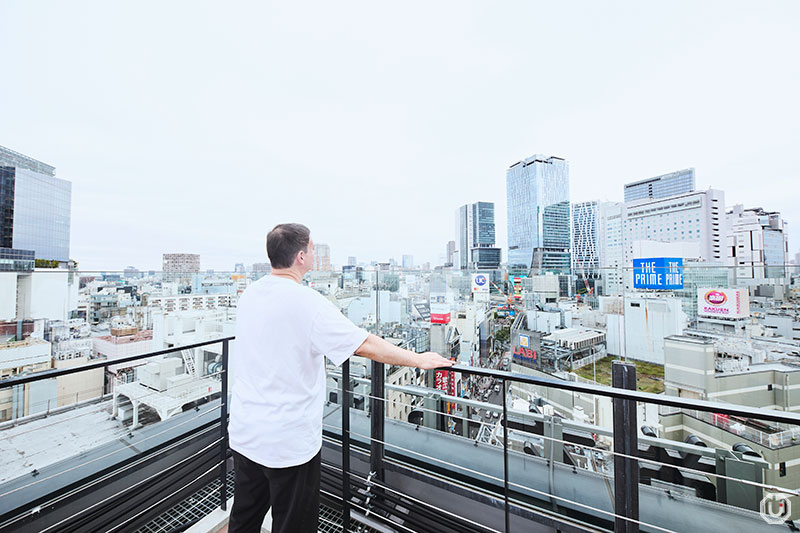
(293, 494)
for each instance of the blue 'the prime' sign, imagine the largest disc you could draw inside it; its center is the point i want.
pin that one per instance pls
(658, 273)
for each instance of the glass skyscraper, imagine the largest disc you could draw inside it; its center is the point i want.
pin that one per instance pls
(663, 186)
(475, 237)
(34, 207)
(539, 237)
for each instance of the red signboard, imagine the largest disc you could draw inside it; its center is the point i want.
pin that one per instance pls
(445, 381)
(440, 318)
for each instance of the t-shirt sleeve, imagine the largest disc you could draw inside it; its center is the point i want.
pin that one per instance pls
(334, 335)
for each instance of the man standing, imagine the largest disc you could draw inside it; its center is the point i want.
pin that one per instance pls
(283, 333)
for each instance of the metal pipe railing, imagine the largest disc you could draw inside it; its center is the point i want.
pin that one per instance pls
(623, 396)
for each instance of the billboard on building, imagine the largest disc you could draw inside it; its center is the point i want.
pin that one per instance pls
(518, 288)
(728, 303)
(525, 347)
(662, 273)
(440, 308)
(445, 380)
(480, 283)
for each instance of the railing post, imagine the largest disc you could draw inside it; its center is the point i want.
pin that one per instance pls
(505, 458)
(223, 429)
(376, 416)
(626, 470)
(345, 405)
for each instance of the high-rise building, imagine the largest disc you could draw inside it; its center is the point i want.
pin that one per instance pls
(624, 230)
(322, 257)
(239, 268)
(180, 267)
(690, 217)
(585, 247)
(475, 237)
(351, 260)
(450, 253)
(34, 208)
(537, 190)
(408, 261)
(757, 244)
(672, 184)
(610, 218)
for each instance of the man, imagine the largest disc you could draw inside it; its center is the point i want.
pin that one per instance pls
(283, 333)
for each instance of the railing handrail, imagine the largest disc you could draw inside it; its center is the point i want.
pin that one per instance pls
(54, 373)
(587, 388)
(624, 394)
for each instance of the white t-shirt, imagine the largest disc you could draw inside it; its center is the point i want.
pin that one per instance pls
(283, 332)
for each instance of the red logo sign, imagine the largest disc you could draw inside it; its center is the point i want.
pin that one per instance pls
(525, 353)
(440, 318)
(716, 297)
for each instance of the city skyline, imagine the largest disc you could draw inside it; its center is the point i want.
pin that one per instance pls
(170, 158)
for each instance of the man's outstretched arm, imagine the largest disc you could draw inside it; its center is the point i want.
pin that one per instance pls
(383, 351)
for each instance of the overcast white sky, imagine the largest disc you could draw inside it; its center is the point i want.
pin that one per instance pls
(196, 127)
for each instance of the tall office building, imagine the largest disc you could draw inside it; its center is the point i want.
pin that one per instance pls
(34, 209)
(537, 190)
(408, 261)
(322, 257)
(351, 260)
(679, 182)
(692, 217)
(757, 244)
(475, 237)
(610, 217)
(585, 246)
(450, 253)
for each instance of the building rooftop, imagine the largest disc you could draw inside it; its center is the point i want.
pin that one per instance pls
(655, 178)
(145, 335)
(30, 341)
(9, 157)
(45, 440)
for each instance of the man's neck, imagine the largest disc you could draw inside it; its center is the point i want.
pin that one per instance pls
(288, 273)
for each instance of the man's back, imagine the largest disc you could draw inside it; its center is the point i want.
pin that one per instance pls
(279, 371)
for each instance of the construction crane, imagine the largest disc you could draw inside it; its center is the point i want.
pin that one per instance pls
(509, 299)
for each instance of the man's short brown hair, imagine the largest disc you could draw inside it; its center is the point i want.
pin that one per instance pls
(283, 243)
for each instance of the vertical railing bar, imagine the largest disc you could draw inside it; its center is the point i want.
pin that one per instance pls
(626, 470)
(345, 404)
(223, 430)
(505, 459)
(377, 414)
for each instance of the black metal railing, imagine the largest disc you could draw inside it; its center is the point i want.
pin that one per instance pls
(625, 447)
(74, 512)
(624, 399)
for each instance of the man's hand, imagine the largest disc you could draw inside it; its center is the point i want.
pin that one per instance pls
(380, 350)
(431, 360)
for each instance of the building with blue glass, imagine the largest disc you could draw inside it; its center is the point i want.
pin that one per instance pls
(475, 237)
(539, 237)
(664, 186)
(34, 208)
